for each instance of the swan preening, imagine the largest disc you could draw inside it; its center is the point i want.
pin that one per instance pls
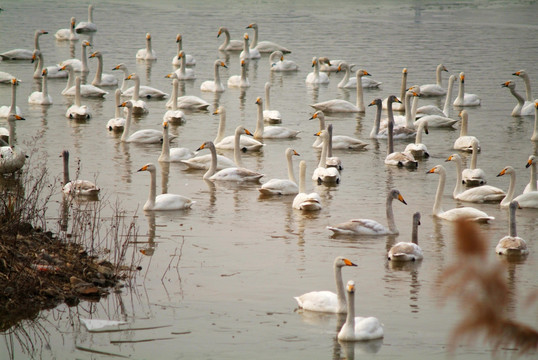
(358, 328)
(163, 201)
(214, 85)
(522, 107)
(465, 99)
(339, 105)
(304, 201)
(328, 301)
(437, 88)
(146, 53)
(278, 63)
(77, 187)
(229, 45)
(23, 54)
(41, 97)
(461, 213)
(87, 26)
(511, 244)
(465, 142)
(408, 251)
(264, 46)
(67, 34)
(78, 111)
(282, 186)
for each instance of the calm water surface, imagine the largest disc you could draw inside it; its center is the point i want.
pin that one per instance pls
(243, 258)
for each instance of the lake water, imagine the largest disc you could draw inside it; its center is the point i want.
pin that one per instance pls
(243, 257)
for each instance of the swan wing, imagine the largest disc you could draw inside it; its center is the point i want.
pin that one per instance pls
(321, 301)
(359, 227)
(279, 187)
(172, 202)
(405, 251)
(335, 105)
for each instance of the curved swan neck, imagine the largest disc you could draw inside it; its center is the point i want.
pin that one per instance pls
(175, 89)
(438, 75)
(124, 84)
(534, 136)
(267, 96)
(528, 91)
(474, 156)
(127, 126)
(458, 189)
(302, 176)
(340, 291)
(511, 189)
(360, 97)
(377, 121)
(520, 99)
(39, 66)
(289, 155)
(512, 231)
(258, 133)
(255, 38)
(213, 165)
(77, 91)
(226, 37)
(440, 189)
(448, 99)
(390, 214)
(222, 126)
(66, 166)
(37, 34)
(345, 79)
(237, 147)
(216, 75)
(70, 78)
(117, 95)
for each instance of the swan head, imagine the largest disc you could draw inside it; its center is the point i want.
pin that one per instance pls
(148, 36)
(148, 167)
(120, 67)
(314, 61)
(318, 115)
(73, 22)
(220, 63)
(178, 38)
(376, 102)
(404, 71)
(277, 54)
(531, 161)
(324, 60)
(506, 170)
(259, 101)
(35, 55)
(15, 81)
(12, 117)
(463, 114)
(393, 99)
(45, 72)
(133, 76)
(41, 32)
(416, 218)
(438, 169)
(362, 72)
(95, 54)
(462, 77)
(165, 125)
(342, 66)
(520, 73)
(240, 129)
(127, 104)
(245, 36)
(453, 157)
(86, 43)
(172, 75)
(395, 194)
(243, 62)
(252, 26)
(181, 54)
(509, 84)
(291, 152)
(340, 261)
(442, 67)
(220, 110)
(350, 286)
(206, 145)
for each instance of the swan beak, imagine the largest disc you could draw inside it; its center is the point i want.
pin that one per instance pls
(17, 117)
(349, 263)
(529, 163)
(431, 171)
(506, 83)
(178, 38)
(123, 104)
(351, 287)
(503, 171)
(339, 68)
(216, 112)
(445, 69)
(367, 73)
(143, 168)
(400, 197)
(258, 101)
(318, 133)
(201, 147)
(397, 100)
(449, 158)
(248, 132)
(296, 153)
(223, 64)
(313, 63)
(517, 73)
(282, 58)
(220, 32)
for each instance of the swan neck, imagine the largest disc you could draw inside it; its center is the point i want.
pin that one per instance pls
(350, 317)
(226, 37)
(534, 136)
(330, 142)
(255, 38)
(291, 175)
(13, 106)
(403, 87)
(222, 127)
(165, 150)
(438, 76)
(463, 129)
(532, 186)
(377, 122)
(528, 91)
(237, 149)
(117, 113)
(390, 129)
(36, 40)
(324, 148)
(520, 99)
(461, 91)
(458, 189)
(136, 90)
(258, 133)
(11, 126)
(340, 291)
(39, 66)
(267, 96)
(512, 231)
(414, 108)
(44, 87)
(216, 75)
(345, 79)
(99, 71)
(84, 59)
(414, 232)
(418, 136)
(124, 84)
(66, 168)
(127, 126)
(148, 46)
(77, 91)
(390, 214)
(511, 190)
(408, 120)
(474, 156)
(360, 97)
(448, 99)
(175, 89)
(70, 79)
(440, 190)
(90, 14)
(302, 177)
(152, 190)
(243, 74)
(213, 165)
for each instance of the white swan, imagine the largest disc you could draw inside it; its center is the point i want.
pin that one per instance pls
(461, 213)
(338, 141)
(283, 186)
(145, 92)
(404, 126)
(87, 26)
(145, 136)
(408, 251)
(328, 65)
(5, 110)
(315, 77)
(41, 97)
(473, 176)
(67, 34)
(396, 158)
(271, 116)
(465, 142)
(324, 174)
(374, 133)
(175, 154)
(532, 185)
(117, 123)
(264, 46)
(237, 173)
(79, 65)
(403, 89)
(351, 83)
(339, 105)
(477, 194)
(227, 143)
(437, 88)
(184, 73)
(358, 328)
(247, 52)
(214, 85)
(139, 106)
(11, 159)
(525, 200)
(229, 45)
(86, 90)
(189, 102)
(418, 149)
(189, 59)
(271, 132)
(511, 244)
(77, 187)
(78, 111)
(523, 108)
(465, 99)
(304, 201)
(332, 161)
(146, 53)
(528, 92)
(534, 136)
(239, 81)
(101, 79)
(174, 115)
(124, 84)
(53, 71)
(23, 54)
(371, 227)
(5, 78)
(328, 301)
(163, 201)
(434, 110)
(279, 64)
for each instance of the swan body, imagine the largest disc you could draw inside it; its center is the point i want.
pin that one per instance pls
(408, 251)
(146, 53)
(324, 174)
(351, 83)
(175, 154)
(239, 81)
(304, 201)
(5, 110)
(533, 183)
(237, 173)
(229, 45)
(23, 54)
(528, 92)
(139, 106)
(523, 108)
(477, 194)
(117, 123)
(228, 143)
(418, 149)
(189, 102)
(77, 187)
(403, 89)
(339, 105)
(248, 53)
(461, 213)
(41, 97)
(189, 59)
(358, 328)
(145, 136)
(79, 65)
(5, 78)
(214, 85)
(163, 202)
(265, 46)
(473, 176)
(174, 115)
(271, 116)
(146, 92)
(315, 77)
(328, 301)
(338, 141)
(404, 126)
(184, 73)
(67, 34)
(11, 159)
(78, 111)
(279, 64)
(53, 71)
(511, 244)
(332, 161)
(87, 26)
(465, 99)
(101, 79)
(371, 227)
(400, 159)
(465, 142)
(86, 90)
(525, 200)
(282, 186)
(437, 88)
(434, 110)
(270, 132)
